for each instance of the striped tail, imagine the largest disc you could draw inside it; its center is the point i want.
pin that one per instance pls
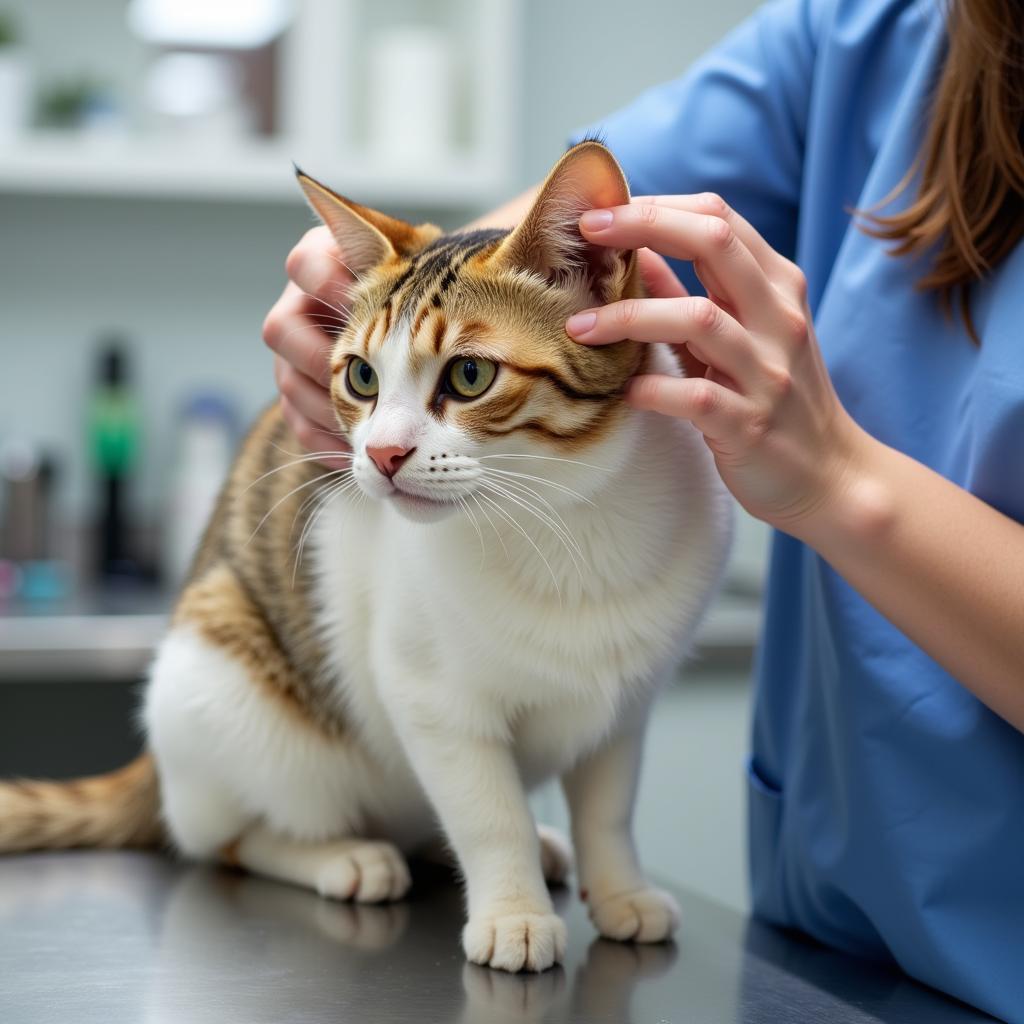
(121, 808)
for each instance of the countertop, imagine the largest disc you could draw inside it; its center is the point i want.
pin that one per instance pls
(100, 938)
(111, 638)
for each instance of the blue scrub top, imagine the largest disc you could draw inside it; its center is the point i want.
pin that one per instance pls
(886, 803)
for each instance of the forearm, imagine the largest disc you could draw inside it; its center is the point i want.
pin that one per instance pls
(940, 564)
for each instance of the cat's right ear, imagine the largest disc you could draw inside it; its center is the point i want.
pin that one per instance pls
(366, 238)
(548, 241)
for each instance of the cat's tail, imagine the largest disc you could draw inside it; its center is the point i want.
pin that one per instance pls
(121, 808)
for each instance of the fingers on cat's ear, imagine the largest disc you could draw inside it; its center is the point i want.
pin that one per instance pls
(366, 237)
(548, 241)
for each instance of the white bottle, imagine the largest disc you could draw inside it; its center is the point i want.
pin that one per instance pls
(205, 448)
(412, 94)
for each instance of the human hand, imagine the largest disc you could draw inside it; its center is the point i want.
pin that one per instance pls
(300, 330)
(756, 384)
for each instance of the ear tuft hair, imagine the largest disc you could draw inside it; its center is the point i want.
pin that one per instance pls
(548, 241)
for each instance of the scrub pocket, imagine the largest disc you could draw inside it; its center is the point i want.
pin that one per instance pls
(764, 844)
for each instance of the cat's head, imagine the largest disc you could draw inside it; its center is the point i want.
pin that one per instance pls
(454, 380)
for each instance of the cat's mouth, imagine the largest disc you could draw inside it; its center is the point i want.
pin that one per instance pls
(415, 499)
(418, 507)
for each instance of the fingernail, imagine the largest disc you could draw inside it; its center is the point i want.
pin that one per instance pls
(580, 323)
(597, 220)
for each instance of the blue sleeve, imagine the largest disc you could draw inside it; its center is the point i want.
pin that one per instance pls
(734, 124)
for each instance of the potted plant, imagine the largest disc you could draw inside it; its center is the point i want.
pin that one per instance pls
(14, 81)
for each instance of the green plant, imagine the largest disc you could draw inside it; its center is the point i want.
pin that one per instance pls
(62, 103)
(8, 30)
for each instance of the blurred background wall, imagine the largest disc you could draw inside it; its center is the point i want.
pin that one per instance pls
(121, 217)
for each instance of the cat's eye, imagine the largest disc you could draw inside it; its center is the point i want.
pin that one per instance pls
(470, 377)
(362, 378)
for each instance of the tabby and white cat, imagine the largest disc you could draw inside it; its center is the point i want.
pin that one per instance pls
(487, 596)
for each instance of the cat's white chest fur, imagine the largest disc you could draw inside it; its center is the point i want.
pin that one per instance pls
(538, 637)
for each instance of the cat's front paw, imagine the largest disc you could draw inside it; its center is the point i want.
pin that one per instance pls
(364, 871)
(642, 915)
(515, 942)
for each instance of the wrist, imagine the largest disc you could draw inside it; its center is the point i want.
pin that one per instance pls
(857, 507)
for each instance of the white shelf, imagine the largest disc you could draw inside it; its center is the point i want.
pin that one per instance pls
(58, 165)
(323, 97)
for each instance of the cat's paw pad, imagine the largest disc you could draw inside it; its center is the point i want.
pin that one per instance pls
(555, 855)
(515, 942)
(643, 915)
(366, 872)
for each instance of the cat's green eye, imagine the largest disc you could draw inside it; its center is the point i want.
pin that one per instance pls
(471, 377)
(362, 378)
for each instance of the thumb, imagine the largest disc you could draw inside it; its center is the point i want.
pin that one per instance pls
(661, 283)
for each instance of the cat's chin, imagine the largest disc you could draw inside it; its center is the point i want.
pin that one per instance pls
(420, 510)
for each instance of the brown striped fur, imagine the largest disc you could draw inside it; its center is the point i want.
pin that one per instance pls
(113, 810)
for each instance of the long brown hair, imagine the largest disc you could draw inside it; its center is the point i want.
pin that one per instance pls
(969, 207)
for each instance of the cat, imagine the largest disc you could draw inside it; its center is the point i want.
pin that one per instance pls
(486, 595)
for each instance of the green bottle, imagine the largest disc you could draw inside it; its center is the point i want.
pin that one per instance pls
(114, 447)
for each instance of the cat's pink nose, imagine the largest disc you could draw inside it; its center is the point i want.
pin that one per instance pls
(389, 460)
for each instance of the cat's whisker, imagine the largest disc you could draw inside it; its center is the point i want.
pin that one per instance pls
(476, 526)
(544, 458)
(307, 528)
(340, 310)
(543, 517)
(519, 529)
(334, 491)
(312, 499)
(319, 496)
(319, 322)
(566, 542)
(308, 455)
(528, 493)
(501, 540)
(342, 313)
(542, 480)
(531, 493)
(337, 259)
(281, 501)
(304, 327)
(311, 457)
(327, 318)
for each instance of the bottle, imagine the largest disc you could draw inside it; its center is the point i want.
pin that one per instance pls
(206, 442)
(114, 444)
(29, 569)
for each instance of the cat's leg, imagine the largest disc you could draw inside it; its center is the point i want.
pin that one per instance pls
(201, 810)
(363, 870)
(555, 855)
(601, 791)
(476, 790)
(201, 816)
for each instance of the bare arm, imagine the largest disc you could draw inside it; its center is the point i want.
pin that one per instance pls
(294, 328)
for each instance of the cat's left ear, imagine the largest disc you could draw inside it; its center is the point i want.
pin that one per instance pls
(548, 241)
(366, 238)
